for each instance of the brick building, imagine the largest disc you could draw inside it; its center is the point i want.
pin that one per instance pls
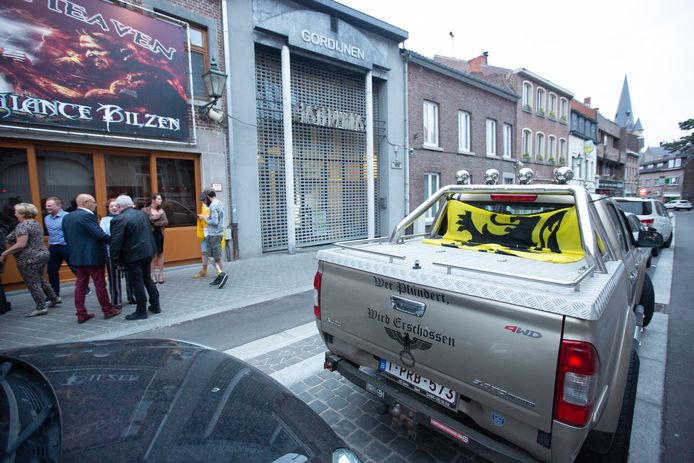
(542, 114)
(456, 121)
(665, 175)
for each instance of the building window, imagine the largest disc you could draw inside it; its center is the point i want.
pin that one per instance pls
(128, 175)
(540, 147)
(563, 109)
(671, 163)
(431, 185)
(176, 183)
(491, 137)
(199, 60)
(552, 105)
(14, 179)
(508, 140)
(65, 175)
(527, 96)
(527, 142)
(431, 124)
(562, 150)
(464, 131)
(540, 101)
(678, 162)
(552, 148)
(508, 179)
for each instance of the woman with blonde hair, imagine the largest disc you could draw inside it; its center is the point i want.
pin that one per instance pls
(31, 256)
(158, 219)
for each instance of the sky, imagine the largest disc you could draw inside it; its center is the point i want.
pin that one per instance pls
(586, 47)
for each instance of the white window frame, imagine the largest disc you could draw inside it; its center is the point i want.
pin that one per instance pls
(540, 146)
(432, 182)
(564, 109)
(552, 148)
(430, 120)
(464, 132)
(527, 95)
(491, 137)
(562, 149)
(678, 162)
(552, 105)
(541, 100)
(508, 140)
(527, 142)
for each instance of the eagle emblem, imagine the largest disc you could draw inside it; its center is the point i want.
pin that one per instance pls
(408, 344)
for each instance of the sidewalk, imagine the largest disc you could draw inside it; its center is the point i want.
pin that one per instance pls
(182, 299)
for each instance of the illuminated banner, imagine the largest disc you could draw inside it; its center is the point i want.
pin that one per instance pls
(92, 65)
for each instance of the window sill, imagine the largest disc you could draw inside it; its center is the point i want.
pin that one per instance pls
(432, 147)
(492, 155)
(467, 153)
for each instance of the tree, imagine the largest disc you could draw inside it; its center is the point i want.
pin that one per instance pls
(684, 144)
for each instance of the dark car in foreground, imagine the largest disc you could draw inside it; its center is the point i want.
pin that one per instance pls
(152, 400)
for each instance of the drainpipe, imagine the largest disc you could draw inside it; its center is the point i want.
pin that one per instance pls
(370, 201)
(288, 148)
(231, 160)
(406, 168)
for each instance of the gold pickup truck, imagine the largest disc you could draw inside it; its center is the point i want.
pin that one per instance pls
(508, 327)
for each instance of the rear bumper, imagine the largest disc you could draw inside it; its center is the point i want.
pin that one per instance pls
(426, 415)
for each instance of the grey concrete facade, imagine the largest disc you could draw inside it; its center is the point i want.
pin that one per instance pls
(275, 23)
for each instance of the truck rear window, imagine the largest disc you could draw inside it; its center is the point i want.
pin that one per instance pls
(547, 232)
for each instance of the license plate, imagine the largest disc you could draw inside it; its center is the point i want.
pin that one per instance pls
(436, 392)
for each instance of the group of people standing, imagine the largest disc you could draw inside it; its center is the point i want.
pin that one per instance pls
(129, 241)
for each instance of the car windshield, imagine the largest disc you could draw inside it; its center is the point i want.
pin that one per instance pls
(637, 207)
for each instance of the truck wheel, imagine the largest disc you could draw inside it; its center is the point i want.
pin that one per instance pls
(619, 450)
(647, 300)
(668, 242)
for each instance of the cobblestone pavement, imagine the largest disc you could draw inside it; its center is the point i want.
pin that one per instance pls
(354, 413)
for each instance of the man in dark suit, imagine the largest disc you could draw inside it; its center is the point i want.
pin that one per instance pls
(132, 245)
(87, 243)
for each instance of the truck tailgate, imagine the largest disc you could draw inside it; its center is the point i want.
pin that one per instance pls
(493, 354)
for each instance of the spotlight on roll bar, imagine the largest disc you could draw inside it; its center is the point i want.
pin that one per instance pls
(462, 177)
(563, 174)
(491, 177)
(525, 175)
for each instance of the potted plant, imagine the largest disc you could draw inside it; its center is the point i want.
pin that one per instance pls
(562, 159)
(528, 108)
(538, 157)
(526, 156)
(563, 118)
(550, 160)
(552, 115)
(541, 111)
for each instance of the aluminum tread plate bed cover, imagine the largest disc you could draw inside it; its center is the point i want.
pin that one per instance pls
(586, 301)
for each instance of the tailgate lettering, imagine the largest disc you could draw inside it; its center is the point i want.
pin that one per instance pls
(411, 290)
(519, 330)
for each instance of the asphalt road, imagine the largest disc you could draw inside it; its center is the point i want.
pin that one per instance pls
(678, 436)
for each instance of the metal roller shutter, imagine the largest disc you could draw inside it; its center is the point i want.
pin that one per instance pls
(329, 163)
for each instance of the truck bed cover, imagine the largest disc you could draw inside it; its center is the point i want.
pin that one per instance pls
(572, 289)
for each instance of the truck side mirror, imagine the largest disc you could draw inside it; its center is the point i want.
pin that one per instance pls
(649, 239)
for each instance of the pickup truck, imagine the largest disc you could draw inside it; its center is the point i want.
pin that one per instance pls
(509, 327)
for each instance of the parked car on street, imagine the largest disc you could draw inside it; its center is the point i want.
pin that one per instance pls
(679, 204)
(636, 226)
(152, 400)
(651, 213)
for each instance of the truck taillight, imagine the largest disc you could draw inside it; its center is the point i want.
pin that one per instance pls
(577, 383)
(647, 221)
(316, 294)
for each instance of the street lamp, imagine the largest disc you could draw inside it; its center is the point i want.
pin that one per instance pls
(215, 82)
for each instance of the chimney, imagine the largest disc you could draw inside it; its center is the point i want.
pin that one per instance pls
(586, 101)
(477, 62)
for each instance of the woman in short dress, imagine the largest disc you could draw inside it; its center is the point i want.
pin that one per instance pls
(157, 216)
(31, 256)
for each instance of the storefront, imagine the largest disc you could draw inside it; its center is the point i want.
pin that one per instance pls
(96, 98)
(340, 123)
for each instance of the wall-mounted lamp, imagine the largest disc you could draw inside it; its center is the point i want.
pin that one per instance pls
(215, 82)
